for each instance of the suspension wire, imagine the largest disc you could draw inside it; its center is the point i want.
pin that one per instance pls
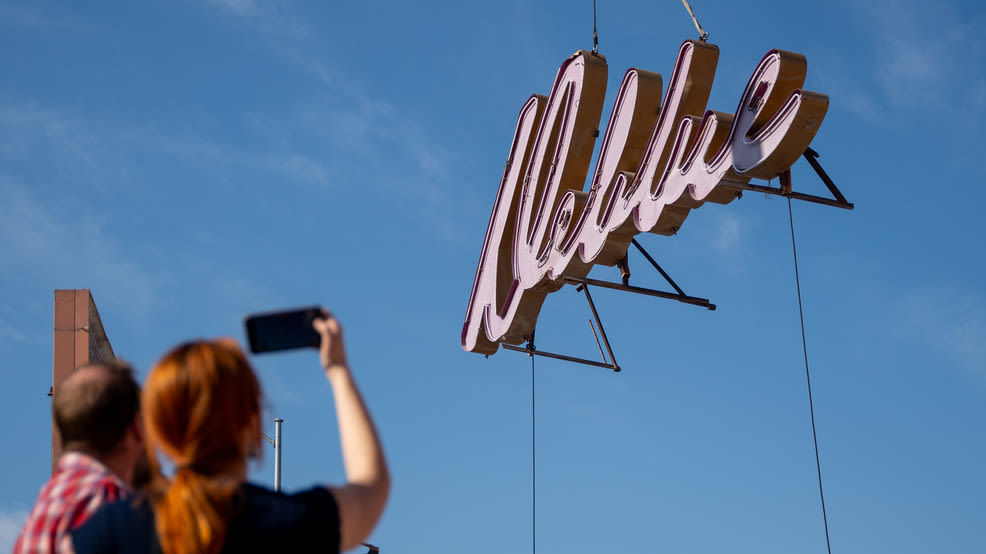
(595, 33)
(533, 469)
(811, 405)
(702, 35)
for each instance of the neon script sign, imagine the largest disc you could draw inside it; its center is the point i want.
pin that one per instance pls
(656, 163)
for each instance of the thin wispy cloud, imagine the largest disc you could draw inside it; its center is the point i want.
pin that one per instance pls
(375, 132)
(33, 133)
(59, 224)
(851, 95)
(978, 92)
(69, 243)
(920, 58)
(721, 231)
(265, 15)
(278, 393)
(951, 321)
(345, 133)
(217, 157)
(728, 231)
(88, 149)
(10, 526)
(365, 135)
(48, 239)
(229, 286)
(926, 58)
(43, 18)
(299, 168)
(9, 332)
(243, 8)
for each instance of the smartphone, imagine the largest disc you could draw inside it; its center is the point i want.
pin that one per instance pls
(285, 330)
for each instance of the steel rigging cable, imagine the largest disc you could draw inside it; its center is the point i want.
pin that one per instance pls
(804, 348)
(533, 465)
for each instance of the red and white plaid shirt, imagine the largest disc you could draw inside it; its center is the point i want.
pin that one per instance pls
(79, 487)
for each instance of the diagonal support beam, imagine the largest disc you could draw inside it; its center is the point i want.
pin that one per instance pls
(658, 268)
(595, 315)
(837, 200)
(812, 158)
(532, 350)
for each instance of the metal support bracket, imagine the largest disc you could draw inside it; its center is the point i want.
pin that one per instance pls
(532, 350)
(679, 295)
(837, 200)
(582, 285)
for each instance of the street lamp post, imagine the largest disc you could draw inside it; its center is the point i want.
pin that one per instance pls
(276, 443)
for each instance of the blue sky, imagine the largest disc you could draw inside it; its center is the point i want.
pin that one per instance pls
(194, 161)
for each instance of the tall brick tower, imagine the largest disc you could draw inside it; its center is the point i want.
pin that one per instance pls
(79, 339)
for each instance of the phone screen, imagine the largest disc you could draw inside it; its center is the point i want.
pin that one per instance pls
(286, 330)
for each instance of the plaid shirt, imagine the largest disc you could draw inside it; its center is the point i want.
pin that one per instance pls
(80, 485)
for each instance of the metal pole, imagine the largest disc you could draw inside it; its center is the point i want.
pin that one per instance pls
(277, 453)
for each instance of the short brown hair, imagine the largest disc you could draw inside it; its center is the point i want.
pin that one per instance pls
(96, 413)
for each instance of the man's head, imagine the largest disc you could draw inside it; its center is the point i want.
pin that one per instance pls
(96, 406)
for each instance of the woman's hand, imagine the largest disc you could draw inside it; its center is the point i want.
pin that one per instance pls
(332, 351)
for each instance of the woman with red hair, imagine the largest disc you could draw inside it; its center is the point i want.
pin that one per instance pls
(201, 409)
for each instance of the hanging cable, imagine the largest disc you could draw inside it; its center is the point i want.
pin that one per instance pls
(804, 348)
(533, 467)
(595, 33)
(702, 35)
